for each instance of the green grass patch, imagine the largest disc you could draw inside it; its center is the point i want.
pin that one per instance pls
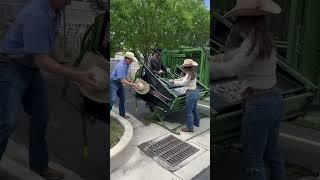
(116, 132)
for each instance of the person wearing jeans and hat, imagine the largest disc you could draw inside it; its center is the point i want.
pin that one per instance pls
(118, 78)
(28, 47)
(189, 81)
(250, 55)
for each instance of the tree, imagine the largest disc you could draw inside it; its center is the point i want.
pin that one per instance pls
(140, 25)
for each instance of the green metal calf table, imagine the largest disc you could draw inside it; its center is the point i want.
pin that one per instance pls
(165, 98)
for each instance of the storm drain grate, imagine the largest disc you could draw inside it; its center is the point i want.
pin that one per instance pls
(172, 150)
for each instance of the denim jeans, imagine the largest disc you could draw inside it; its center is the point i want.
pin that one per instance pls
(20, 85)
(193, 117)
(260, 132)
(117, 89)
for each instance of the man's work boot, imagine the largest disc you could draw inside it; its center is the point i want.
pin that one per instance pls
(186, 129)
(126, 117)
(51, 174)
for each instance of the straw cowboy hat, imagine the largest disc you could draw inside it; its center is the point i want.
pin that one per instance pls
(130, 55)
(99, 67)
(254, 8)
(143, 88)
(100, 94)
(189, 63)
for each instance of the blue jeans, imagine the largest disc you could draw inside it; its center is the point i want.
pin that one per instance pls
(193, 117)
(117, 89)
(260, 132)
(23, 85)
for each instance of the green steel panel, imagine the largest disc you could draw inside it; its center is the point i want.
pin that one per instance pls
(310, 64)
(294, 38)
(174, 58)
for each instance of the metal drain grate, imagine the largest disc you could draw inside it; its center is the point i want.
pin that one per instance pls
(172, 150)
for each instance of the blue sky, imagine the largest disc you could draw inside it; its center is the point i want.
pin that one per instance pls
(208, 3)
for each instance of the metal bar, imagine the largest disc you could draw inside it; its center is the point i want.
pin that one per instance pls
(160, 116)
(309, 64)
(308, 83)
(295, 22)
(85, 150)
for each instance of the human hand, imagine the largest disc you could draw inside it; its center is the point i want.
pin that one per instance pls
(136, 86)
(160, 72)
(85, 79)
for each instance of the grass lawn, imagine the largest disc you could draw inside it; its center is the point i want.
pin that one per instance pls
(116, 132)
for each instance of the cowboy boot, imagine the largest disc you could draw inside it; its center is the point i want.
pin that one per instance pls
(186, 129)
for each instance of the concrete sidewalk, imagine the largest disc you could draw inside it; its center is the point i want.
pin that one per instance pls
(12, 170)
(15, 164)
(142, 167)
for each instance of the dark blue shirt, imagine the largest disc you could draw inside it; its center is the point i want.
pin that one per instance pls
(120, 71)
(33, 32)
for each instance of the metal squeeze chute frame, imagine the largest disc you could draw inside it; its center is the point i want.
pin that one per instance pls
(174, 58)
(226, 108)
(94, 40)
(163, 97)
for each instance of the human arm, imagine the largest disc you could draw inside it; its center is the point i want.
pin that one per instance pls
(164, 69)
(46, 63)
(182, 81)
(129, 83)
(238, 60)
(37, 43)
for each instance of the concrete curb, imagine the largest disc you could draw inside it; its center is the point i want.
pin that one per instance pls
(18, 154)
(119, 154)
(18, 170)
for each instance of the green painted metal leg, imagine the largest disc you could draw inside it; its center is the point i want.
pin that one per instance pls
(85, 149)
(161, 117)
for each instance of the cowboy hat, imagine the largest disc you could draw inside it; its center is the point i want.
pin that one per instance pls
(100, 94)
(130, 55)
(143, 87)
(254, 8)
(157, 50)
(189, 63)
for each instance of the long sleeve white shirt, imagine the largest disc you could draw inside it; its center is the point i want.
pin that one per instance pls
(187, 82)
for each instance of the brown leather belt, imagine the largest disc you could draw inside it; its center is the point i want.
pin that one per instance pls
(251, 92)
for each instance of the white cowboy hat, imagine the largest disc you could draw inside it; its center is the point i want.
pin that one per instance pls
(130, 55)
(143, 88)
(189, 63)
(254, 8)
(100, 94)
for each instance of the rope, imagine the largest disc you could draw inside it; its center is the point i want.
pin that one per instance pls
(160, 93)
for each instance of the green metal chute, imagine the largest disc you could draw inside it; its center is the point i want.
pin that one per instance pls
(165, 98)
